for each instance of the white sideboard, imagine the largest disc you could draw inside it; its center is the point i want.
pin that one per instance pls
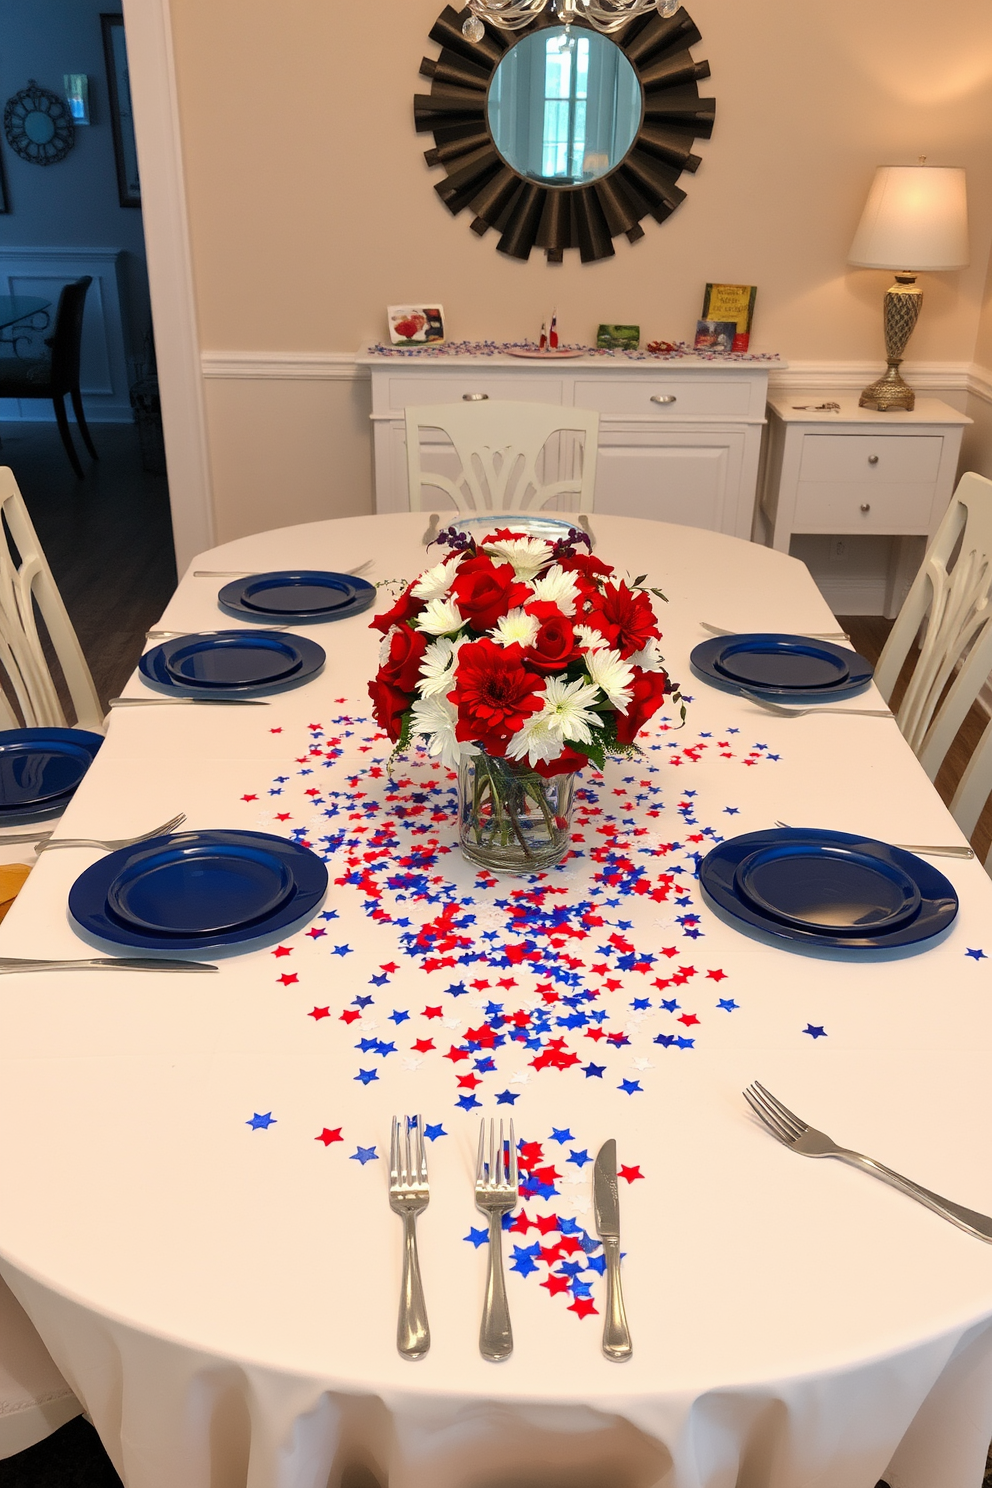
(679, 440)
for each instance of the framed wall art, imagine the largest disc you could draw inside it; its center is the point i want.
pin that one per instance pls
(121, 118)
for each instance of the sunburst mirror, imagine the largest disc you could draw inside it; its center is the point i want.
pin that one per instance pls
(560, 136)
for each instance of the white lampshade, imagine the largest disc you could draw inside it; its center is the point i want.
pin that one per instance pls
(916, 217)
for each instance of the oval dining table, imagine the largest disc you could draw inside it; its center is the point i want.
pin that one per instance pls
(194, 1195)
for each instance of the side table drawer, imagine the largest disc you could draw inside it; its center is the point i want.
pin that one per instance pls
(863, 506)
(863, 457)
(684, 396)
(412, 391)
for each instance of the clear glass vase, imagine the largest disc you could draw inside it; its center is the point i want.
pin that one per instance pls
(510, 819)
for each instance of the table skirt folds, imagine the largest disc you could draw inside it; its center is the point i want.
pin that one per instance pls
(170, 1413)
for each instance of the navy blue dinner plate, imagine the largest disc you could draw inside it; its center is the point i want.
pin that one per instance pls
(40, 769)
(829, 889)
(300, 595)
(775, 666)
(239, 663)
(197, 891)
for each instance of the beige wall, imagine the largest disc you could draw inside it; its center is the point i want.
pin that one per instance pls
(311, 206)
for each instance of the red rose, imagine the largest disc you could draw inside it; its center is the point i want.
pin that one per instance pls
(626, 619)
(388, 705)
(494, 695)
(484, 591)
(648, 694)
(566, 764)
(406, 651)
(405, 608)
(554, 645)
(585, 564)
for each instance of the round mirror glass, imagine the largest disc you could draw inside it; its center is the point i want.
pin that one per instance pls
(38, 127)
(564, 106)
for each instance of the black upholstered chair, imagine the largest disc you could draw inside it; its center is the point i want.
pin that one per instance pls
(55, 375)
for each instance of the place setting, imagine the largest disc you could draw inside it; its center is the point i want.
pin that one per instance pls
(302, 596)
(230, 665)
(40, 771)
(783, 673)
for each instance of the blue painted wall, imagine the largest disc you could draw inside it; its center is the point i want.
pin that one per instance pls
(75, 202)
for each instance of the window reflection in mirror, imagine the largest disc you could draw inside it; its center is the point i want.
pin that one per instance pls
(564, 106)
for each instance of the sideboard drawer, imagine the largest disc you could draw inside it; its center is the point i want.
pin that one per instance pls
(829, 506)
(722, 398)
(413, 391)
(871, 458)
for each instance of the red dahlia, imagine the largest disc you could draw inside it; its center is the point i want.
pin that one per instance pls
(626, 619)
(494, 695)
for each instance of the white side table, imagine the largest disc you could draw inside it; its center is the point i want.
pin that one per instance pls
(857, 471)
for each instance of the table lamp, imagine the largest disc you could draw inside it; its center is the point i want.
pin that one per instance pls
(915, 218)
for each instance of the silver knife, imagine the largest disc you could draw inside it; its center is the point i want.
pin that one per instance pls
(616, 1334)
(103, 963)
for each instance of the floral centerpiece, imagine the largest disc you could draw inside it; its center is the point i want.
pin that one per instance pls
(518, 660)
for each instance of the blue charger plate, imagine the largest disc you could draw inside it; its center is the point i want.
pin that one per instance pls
(836, 890)
(198, 891)
(239, 663)
(40, 769)
(777, 666)
(304, 596)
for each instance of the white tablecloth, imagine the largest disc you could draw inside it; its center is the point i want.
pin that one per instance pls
(216, 1273)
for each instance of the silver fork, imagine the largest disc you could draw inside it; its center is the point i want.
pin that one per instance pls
(169, 635)
(931, 850)
(792, 1132)
(496, 1195)
(824, 708)
(409, 1196)
(111, 843)
(809, 635)
(249, 573)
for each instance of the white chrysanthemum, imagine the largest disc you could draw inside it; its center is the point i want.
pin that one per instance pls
(440, 617)
(565, 717)
(435, 582)
(593, 640)
(437, 667)
(516, 628)
(609, 672)
(649, 658)
(434, 718)
(558, 586)
(527, 554)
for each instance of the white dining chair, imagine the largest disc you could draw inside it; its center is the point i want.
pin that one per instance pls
(974, 789)
(34, 1398)
(28, 693)
(497, 446)
(951, 599)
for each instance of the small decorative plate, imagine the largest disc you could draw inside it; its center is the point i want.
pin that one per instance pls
(536, 355)
(239, 663)
(778, 666)
(198, 891)
(40, 769)
(828, 889)
(304, 596)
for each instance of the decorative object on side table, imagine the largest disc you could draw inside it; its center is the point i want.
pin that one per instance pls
(625, 112)
(518, 660)
(915, 218)
(715, 335)
(38, 125)
(415, 325)
(731, 302)
(619, 337)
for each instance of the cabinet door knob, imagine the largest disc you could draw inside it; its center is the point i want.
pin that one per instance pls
(866, 506)
(872, 459)
(475, 397)
(663, 398)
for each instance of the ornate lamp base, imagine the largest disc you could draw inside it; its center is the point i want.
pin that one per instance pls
(890, 391)
(902, 310)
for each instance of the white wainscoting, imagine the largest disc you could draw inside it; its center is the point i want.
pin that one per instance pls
(41, 272)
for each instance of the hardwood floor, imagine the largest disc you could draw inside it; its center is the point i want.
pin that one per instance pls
(869, 634)
(108, 538)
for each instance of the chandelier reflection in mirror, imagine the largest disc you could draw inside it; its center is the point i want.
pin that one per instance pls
(561, 137)
(513, 15)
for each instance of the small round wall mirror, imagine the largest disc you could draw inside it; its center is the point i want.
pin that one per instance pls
(564, 106)
(38, 125)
